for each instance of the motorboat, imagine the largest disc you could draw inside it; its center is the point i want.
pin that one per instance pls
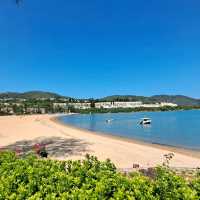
(109, 120)
(145, 121)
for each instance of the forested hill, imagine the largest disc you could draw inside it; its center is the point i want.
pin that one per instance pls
(178, 99)
(30, 95)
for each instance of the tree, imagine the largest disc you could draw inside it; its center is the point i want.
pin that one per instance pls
(92, 103)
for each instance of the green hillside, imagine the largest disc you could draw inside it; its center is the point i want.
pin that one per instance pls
(178, 99)
(39, 94)
(30, 95)
(124, 98)
(9, 95)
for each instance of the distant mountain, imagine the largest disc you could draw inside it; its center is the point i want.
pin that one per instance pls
(9, 95)
(30, 95)
(39, 94)
(177, 99)
(124, 98)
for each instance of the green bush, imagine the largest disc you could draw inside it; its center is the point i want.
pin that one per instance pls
(168, 185)
(32, 178)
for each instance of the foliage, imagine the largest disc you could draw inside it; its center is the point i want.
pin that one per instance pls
(170, 186)
(32, 178)
(40, 150)
(177, 99)
(195, 184)
(37, 102)
(30, 94)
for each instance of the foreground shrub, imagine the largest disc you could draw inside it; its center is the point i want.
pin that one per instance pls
(32, 178)
(170, 186)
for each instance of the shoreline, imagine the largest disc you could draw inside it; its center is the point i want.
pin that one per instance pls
(70, 143)
(184, 151)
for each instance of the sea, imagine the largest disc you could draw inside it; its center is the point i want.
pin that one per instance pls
(173, 128)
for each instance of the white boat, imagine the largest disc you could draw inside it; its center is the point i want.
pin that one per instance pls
(144, 121)
(109, 120)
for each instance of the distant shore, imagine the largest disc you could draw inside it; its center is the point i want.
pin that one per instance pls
(66, 142)
(136, 109)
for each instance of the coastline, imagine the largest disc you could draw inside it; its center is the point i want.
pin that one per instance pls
(65, 142)
(184, 151)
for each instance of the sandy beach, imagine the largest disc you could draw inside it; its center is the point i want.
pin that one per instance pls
(66, 142)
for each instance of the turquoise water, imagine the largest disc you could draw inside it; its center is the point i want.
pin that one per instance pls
(179, 128)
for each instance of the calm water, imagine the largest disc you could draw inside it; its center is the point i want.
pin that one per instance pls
(181, 128)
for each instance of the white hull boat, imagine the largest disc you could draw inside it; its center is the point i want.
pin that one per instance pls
(145, 121)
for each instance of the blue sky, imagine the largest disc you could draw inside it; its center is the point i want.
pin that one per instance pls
(95, 48)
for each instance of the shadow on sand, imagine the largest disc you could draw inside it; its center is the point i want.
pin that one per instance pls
(55, 146)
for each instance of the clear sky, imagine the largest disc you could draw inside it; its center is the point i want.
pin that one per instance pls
(95, 48)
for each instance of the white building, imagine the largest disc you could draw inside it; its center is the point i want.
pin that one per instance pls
(75, 105)
(131, 104)
(118, 104)
(80, 105)
(61, 105)
(157, 105)
(168, 104)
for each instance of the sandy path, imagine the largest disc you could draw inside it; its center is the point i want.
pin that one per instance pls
(72, 143)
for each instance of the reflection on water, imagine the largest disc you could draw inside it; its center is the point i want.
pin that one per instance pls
(146, 125)
(92, 123)
(181, 128)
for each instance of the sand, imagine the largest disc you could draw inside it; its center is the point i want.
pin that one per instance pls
(66, 142)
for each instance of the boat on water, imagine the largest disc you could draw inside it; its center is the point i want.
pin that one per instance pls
(109, 120)
(145, 121)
